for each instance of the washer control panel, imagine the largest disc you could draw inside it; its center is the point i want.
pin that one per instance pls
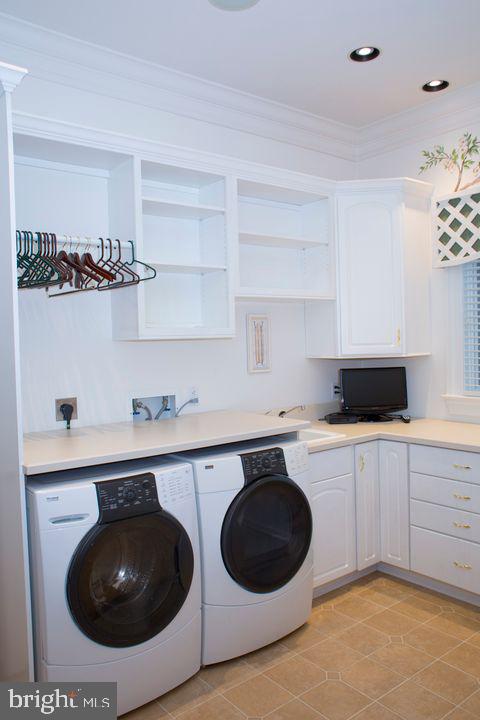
(127, 497)
(264, 462)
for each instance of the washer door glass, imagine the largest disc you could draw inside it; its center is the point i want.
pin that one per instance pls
(266, 534)
(128, 579)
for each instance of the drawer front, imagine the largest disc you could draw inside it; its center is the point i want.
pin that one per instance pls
(453, 494)
(445, 558)
(453, 464)
(331, 463)
(445, 520)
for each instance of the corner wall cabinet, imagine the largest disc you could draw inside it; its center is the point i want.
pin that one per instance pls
(383, 267)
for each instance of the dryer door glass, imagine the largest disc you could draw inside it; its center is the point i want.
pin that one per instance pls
(266, 534)
(129, 578)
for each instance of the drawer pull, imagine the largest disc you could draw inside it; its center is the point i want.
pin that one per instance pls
(461, 497)
(461, 525)
(462, 566)
(361, 462)
(457, 466)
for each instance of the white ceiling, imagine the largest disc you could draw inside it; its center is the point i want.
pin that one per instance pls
(290, 51)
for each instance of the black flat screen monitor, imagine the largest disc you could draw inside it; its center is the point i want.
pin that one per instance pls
(372, 391)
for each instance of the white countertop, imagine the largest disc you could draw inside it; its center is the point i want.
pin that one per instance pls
(439, 433)
(81, 447)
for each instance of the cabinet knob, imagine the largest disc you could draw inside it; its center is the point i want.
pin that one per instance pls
(462, 566)
(398, 336)
(457, 466)
(461, 525)
(461, 497)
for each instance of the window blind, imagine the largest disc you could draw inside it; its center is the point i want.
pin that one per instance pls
(471, 327)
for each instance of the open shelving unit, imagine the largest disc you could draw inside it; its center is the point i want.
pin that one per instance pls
(182, 229)
(284, 236)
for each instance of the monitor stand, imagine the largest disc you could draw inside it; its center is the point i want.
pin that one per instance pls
(375, 418)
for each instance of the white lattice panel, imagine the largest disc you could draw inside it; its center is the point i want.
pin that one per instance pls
(457, 236)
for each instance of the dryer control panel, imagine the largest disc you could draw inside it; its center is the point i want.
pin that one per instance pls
(127, 497)
(264, 462)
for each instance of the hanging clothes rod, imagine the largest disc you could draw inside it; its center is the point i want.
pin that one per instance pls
(84, 241)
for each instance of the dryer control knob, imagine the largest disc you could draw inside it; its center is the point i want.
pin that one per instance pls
(130, 494)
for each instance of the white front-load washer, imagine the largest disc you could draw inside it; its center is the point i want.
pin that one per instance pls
(255, 526)
(115, 567)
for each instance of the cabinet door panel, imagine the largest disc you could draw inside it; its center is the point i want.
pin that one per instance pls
(370, 262)
(394, 503)
(367, 504)
(333, 508)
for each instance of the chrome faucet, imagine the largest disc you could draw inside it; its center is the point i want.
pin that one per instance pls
(282, 413)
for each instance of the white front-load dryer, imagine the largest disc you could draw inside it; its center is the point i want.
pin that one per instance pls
(116, 577)
(255, 526)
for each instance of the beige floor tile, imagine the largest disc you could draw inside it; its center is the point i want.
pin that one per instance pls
(371, 678)
(215, 709)
(295, 710)
(403, 659)
(150, 711)
(267, 656)
(332, 655)
(223, 675)
(297, 675)
(455, 624)
(475, 640)
(413, 702)
(391, 623)
(357, 608)
(303, 638)
(377, 712)
(186, 696)
(363, 639)
(329, 622)
(418, 608)
(460, 714)
(430, 641)
(448, 682)
(472, 704)
(336, 700)
(258, 696)
(386, 597)
(331, 598)
(465, 657)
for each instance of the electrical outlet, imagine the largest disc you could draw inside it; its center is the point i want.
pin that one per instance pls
(335, 392)
(65, 401)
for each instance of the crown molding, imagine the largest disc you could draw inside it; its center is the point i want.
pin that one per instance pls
(11, 76)
(54, 57)
(457, 109)
(57, 58)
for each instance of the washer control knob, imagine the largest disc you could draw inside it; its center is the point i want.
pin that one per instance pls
(130, 494)
(146, 484)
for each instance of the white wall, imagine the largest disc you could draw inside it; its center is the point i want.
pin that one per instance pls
(66, 343)
(427, 377)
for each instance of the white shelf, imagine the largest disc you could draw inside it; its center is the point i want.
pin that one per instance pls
(186, 269)
(246, 293)
(166, 208)
(277, 193)
(249, 238)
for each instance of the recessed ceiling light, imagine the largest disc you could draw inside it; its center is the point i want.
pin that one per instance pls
(435, 85)
(233, 4)
(364, 54)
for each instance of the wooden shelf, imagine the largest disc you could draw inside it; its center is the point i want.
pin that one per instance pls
(248, 238)
(166, 208)
(186, 269)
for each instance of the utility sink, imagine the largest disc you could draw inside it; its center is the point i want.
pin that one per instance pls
(319, 435)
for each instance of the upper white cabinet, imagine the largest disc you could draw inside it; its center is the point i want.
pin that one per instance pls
(394, 503)
(383, 266)
(367, 504)
(285, 247)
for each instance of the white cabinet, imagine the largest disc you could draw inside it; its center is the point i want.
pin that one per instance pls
(367, 504)
(383, 267)
(333, 509)
(394, 503)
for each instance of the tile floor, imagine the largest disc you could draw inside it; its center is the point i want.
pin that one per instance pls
(377, 649)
